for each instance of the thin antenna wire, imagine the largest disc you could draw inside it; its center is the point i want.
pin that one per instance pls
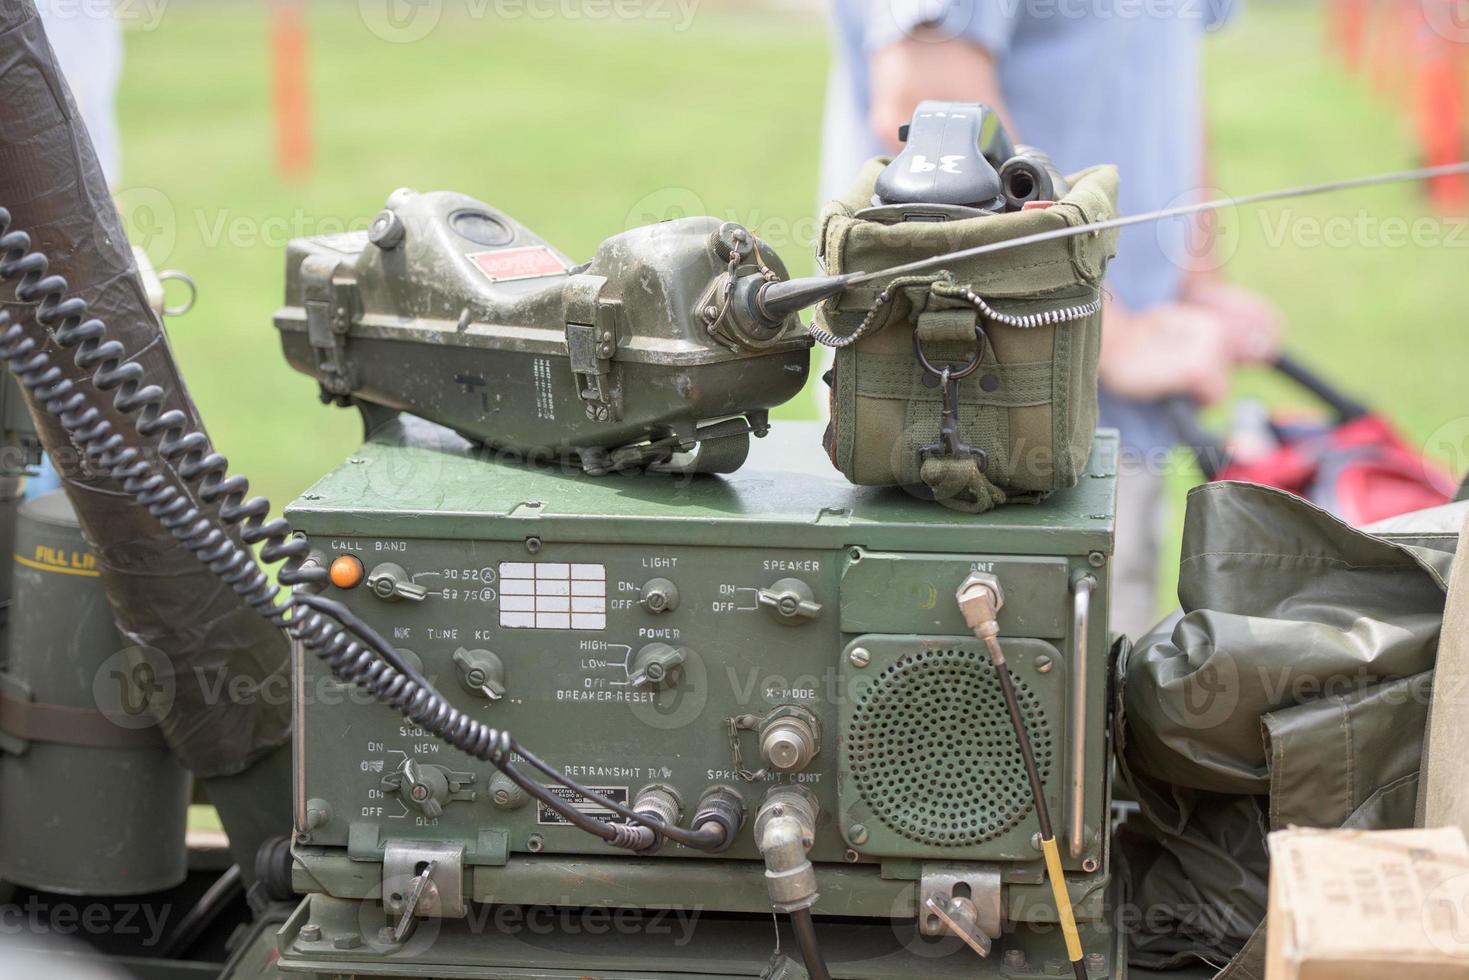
(1307, 190)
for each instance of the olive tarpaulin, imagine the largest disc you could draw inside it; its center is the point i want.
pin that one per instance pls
(214, 674)
(1292, 689)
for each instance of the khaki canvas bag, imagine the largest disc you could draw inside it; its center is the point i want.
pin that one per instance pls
(1020, 329)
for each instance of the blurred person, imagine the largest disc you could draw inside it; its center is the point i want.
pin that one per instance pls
(1089, 82)
(87, 40)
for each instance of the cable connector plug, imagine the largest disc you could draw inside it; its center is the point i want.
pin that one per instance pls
(785, 829)
(980, 598)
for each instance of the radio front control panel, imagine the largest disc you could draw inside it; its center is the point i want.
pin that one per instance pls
(770, 628)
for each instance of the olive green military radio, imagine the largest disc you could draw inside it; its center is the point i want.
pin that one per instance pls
(774, 637)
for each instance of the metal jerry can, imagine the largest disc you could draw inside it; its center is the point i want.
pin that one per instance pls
(77, 709)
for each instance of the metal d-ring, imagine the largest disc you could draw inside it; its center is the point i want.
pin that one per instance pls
(173, 275)
(955, 374)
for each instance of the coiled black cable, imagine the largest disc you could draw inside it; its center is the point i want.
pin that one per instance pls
(353, 651)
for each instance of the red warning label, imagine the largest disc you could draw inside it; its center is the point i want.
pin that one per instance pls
(518, 263)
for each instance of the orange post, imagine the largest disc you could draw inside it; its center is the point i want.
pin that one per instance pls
(1349, 30)
(291, 87)
(1441, 124)
(1389, 52)
(1438, 97)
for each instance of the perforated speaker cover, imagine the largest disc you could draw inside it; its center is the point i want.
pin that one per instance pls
(931, 750)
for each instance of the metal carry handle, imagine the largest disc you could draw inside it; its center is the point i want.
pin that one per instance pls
(1081, 621)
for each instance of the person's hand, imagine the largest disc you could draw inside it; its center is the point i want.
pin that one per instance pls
(1171, 349)
(922, 67)
(1254, 322)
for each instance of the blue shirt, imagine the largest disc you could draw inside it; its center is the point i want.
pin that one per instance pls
(1087, 81)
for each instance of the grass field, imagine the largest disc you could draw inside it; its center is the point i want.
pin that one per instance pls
(583, 127)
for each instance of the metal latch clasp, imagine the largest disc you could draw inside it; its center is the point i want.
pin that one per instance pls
(961, 901)
(591, 342)
(422, 879)
(330, 302)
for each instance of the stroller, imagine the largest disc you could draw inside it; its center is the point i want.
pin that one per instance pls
(1354, 465)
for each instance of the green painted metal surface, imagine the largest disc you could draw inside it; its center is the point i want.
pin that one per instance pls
(420, 481)
(482, 536)
(544, 942)
(78, 696)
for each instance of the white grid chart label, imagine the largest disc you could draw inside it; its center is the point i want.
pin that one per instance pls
(551, 595)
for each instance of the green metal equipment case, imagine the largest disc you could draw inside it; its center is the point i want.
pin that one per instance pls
(650, 632)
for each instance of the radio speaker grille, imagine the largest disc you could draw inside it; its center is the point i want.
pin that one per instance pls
(933, 753)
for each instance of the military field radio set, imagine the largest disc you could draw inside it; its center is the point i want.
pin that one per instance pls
(562, 639)
(774, 662)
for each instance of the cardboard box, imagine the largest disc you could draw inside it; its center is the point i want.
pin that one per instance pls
(1444, 800)
(1360, 905)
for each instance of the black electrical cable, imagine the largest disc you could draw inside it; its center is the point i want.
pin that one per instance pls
(699, 837)
(618, 836)
(1182, 210)
(353, 651)
(988, 632)
(1043, 814)
(357, 625)
(805, 930)
(225, 889)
